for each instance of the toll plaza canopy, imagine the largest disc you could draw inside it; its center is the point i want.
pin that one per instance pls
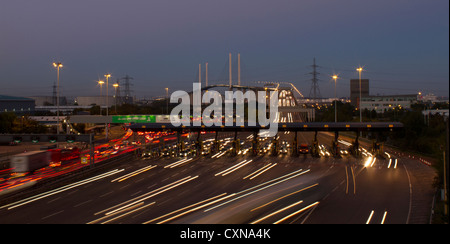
(311, 126)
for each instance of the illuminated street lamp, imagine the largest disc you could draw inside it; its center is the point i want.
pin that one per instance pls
(335, 77)
(360, 69)
(57, 65)
(115, 96)
(100, 82)
(107, 103)
(167, 100)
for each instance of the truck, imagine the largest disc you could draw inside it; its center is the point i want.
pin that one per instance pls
(29, 161)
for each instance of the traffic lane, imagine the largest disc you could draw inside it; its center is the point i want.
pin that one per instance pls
(210, 184)
(85, 199)
(215, 183)
(380, 189)
(54, 206)
(178, 195)
(160, 176)
(267, 198)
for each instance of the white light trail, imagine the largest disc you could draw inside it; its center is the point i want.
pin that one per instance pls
(59, 190)
(295, 213)
(134, 173)
(262, 188)
(370, 218)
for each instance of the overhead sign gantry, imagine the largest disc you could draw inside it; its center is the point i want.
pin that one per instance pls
(294, 127)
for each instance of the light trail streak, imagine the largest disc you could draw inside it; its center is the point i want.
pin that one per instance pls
(384, 217)
(290, 194)
(260, 189)
(177, 163)
(59, 190)
(276, 212)
(295, 213)
(134, 173)
(233, 168)
(147, 195)
(265, 166)
(370, 218)
(251, 178)
(181, 209)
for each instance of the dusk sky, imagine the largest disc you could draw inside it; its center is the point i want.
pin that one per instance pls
(402, 44)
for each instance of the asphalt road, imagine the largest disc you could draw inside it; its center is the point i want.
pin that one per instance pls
(241, 189)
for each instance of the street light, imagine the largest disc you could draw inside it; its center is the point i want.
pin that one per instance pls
(107, 103)
(360, 69)
(57, 65)
(335, 77)
(167, 100)
(100, 82)
(115, 96)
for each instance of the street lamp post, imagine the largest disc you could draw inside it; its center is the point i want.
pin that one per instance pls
(100, 82)
(107, 104)
(335, 77)
(167, 100)
(360, 69)
(115, 96)
(57, 65)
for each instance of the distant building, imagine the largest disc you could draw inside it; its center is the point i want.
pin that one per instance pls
(384, 103)
(48, 100)
(429, 98)
(354, 90)
(95, 100)
(16, 104)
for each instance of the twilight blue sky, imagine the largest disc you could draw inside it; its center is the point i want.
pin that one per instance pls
(402, 44)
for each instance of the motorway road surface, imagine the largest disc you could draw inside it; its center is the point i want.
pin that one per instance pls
(241, 189)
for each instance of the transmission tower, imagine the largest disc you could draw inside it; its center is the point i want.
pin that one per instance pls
(118, 99)
(54, 94)
(128, 99)
(315, 90)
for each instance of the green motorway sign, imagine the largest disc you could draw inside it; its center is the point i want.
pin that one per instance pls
(133, 119)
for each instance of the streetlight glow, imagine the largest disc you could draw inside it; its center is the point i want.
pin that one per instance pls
(335, 77)
(57, 65)
(107, 76)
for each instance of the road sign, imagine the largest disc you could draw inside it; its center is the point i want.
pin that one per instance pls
(84, 160)
(134, 119)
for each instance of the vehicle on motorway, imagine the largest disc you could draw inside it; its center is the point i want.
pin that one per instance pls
(206, 151)
(147, 154)
(184, 153)
(29, 161)
(323, 151)
(58, 156)
(303, 148)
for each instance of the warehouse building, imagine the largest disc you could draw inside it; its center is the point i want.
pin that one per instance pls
(16, 104)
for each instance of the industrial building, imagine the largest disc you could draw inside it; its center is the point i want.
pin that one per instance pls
(385, 103)
(16, 104)
(354, 90)
(49, 100)
(95, 100)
